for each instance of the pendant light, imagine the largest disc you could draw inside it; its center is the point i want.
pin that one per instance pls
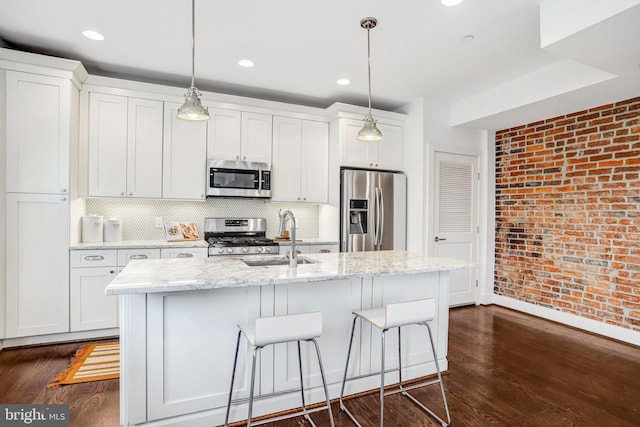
(192, 108)
(369, 131)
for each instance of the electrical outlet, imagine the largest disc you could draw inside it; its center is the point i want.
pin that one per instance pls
(159, 222)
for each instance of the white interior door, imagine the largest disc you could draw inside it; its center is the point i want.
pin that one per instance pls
(456, 220)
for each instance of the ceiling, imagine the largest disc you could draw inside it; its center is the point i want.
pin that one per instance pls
(300, 47)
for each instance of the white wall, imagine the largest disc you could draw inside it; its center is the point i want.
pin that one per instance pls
(438, 134)
(413, 157)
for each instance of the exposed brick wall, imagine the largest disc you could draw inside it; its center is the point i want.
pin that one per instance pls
(568, 213)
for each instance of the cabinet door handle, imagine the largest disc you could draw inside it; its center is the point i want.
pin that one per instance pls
(324, 251)
(93, 258)
(143, 256)
(111, 271)
(63, 199)
(184, 255)
(63, 190)
(439, 239)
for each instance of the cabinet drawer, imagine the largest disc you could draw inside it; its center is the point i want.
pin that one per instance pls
(94, 258)
(322, 249)
(184, 253)
(126, 255)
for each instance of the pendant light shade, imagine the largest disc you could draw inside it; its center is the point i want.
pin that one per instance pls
(369, 131)
(192, 108)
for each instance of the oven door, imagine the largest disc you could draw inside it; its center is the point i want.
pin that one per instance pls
(238, 179)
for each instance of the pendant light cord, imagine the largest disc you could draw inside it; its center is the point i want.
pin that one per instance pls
(193, 42)
(369, 64)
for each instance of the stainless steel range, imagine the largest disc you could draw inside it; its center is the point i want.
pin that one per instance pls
(238, 236)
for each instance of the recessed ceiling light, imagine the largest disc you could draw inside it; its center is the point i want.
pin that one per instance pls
(93, 35)
(451, 2)
(467, 39)
(343, 82)
(246, 63)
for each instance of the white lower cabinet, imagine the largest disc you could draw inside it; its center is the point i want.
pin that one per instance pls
(91, 272)
(90, 308)
(37, 259)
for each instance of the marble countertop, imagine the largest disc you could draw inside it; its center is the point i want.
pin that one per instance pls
(174, 275)
(140, 244)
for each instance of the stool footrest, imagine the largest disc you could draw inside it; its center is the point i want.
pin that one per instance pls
(403, 389)
(304, 413)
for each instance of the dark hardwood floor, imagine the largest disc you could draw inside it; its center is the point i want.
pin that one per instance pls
(505, 369)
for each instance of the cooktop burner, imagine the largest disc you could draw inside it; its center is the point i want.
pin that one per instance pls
(238, 236)
(223, 241)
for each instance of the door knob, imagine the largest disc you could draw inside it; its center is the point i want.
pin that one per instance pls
(439, 239)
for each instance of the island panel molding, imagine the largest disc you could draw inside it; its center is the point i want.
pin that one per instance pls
(171, 311)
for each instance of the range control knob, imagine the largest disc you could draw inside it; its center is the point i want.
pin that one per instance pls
(230, 250)
(259, 249)
(268, 249)
(245, 250)
(220, 250)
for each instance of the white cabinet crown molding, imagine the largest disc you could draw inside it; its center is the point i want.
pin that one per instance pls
(16, 60)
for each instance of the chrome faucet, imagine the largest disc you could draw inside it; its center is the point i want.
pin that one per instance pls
(293, 258)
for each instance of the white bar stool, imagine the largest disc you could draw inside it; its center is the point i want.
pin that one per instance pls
(281, 329)
(396, 315)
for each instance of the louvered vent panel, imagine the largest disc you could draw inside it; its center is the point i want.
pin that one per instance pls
(455, 197)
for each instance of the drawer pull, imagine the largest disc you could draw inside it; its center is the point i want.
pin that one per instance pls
(93, 258)
(143, 256)
(184, 255)
(324, 251)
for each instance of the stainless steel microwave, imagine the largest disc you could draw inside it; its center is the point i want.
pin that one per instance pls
(231, 178)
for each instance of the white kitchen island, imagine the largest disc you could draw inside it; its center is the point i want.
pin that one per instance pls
(178, 330)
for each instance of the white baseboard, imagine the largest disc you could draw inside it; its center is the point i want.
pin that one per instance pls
(594, 326)
(59, 338)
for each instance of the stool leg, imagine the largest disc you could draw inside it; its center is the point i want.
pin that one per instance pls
(384, 331)
(324, 382)
(435, 359)
(399, 359)
(253, 380)
(304, 406)
(344, 378)
(233, 376)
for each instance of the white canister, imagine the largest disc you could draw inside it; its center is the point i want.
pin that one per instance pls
(112, 230)
(92, 229)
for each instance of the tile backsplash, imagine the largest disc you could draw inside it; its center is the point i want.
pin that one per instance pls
(138, 215)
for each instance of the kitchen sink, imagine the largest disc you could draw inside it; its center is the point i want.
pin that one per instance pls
(267, 261)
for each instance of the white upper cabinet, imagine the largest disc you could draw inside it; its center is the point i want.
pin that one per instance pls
(38, 121)
(300, 160)
(256, 137)
(107, 145)
(384, 154)
(184, 156)
(144, 148)
(224, 134)
(125, 146)
(236, 135)
(314, 162)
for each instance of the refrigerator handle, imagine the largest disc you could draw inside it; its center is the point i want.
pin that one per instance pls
(374, 213)
(381, 226)
(376, 237)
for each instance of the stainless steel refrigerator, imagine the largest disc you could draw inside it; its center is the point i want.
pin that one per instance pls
(373, 210)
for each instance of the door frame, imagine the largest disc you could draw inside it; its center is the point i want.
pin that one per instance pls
(483, 289)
